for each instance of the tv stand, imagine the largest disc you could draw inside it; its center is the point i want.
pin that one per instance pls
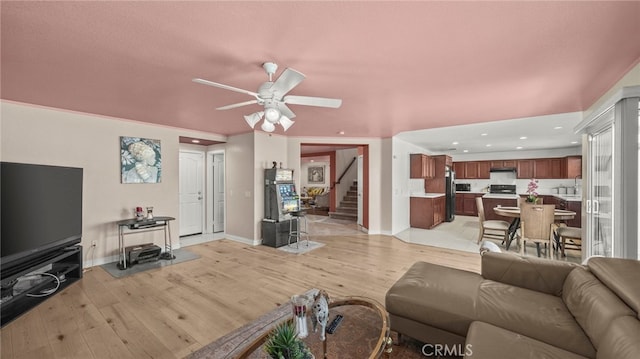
(66, 265)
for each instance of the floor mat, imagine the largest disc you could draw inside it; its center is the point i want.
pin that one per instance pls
(182, 255)
(302, 248)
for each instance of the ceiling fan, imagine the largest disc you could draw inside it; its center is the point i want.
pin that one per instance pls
(273, 96)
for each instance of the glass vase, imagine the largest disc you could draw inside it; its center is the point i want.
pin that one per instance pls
(300, 305)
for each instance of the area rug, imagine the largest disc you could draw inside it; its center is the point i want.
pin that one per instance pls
(301, 248)
(182, 255)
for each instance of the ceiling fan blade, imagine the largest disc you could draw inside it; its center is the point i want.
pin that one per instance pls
(313, 101)
(286, 82)
(226, 87)
(228, 107)
(284, 110)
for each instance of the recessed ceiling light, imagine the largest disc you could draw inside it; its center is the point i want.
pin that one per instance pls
(523, 137)
(454, 142)
(557, 128)
(488, 145)
(574, 142)
(341, 132)
(483, 134)
(519, 148)
(465, 151)
(312, 160)
(195, 141)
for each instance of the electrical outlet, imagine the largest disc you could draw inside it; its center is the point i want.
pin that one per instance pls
(94, 243)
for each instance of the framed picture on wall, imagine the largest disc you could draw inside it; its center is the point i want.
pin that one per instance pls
(316, 174)
(140, 160)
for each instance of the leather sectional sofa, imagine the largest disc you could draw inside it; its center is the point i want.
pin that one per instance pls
(522, 307)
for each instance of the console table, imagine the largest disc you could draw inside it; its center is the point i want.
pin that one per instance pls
(140, 226)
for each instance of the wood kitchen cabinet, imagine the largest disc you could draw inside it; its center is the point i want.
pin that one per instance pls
(422, 166)
(490, 203)
(484, 168)
(503, 164)
(426, 212)
(458, 168)
(466, 204)
(471, 170)
(524, 169)
(547, 168)
(572, 166)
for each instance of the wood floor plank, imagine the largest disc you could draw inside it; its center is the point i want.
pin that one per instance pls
(171, 311)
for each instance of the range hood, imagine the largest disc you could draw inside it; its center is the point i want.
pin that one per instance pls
(502, 169)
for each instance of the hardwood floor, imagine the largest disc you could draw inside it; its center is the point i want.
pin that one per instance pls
(172, 311)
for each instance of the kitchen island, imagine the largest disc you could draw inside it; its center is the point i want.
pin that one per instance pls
(427, 210)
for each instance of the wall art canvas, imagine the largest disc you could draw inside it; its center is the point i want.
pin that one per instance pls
(316, 174)
(140, 159)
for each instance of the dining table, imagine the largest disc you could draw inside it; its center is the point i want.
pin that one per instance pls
(514, 212)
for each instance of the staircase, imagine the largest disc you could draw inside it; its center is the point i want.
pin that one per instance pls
(348, 208)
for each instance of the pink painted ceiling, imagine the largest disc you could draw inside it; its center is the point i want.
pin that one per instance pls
(397, 66)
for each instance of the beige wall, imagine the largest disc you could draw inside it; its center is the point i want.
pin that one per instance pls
(268, 148)
(31, 134)
(240, 187)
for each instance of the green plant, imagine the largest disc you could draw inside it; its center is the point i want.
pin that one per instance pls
(283, 343)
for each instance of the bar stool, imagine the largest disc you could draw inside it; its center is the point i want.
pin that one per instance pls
(300, 230)
(571, 236)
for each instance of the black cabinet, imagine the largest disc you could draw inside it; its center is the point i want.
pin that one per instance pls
(276, 234)
(22, 291)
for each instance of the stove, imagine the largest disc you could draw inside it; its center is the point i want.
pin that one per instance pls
(502, 189)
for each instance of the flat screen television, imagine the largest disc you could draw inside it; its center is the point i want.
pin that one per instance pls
(41, 211)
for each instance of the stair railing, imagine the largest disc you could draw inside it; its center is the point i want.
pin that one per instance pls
(343, 173)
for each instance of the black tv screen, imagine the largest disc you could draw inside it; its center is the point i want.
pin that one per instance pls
(41, 210)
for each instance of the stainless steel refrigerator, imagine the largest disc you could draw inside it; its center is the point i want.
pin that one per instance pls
(450, 199)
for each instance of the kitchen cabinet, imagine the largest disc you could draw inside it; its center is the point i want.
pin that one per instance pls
(548, 168)
(490, 203)
(503, 164)
(466, 204)
(574, 206)
(422, 166)
(484, 169)
(458, 167)
(524, 169)
(471, 170)
(572, 166)
(426, 212)
(540, 168)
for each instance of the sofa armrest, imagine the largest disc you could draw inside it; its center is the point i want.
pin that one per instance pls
(541, 275)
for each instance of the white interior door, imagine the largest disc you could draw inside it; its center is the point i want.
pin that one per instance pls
(218, 193)
(360, 188)
(191, 192)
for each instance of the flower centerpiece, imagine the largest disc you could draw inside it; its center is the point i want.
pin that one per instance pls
(532, 195)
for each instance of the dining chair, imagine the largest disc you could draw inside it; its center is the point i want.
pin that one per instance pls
(535, 225)
(489, 228)
(569, 236)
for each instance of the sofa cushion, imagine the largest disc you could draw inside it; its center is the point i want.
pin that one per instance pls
(622, 340)
(621, 276)
(543, 317)
(488, 341)
(592, 304)
(532, 273)
(442, 297)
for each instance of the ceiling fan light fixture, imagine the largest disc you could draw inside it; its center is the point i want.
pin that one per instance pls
(286, 122)
(272, 114)
(253, 118)
(267, 126)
